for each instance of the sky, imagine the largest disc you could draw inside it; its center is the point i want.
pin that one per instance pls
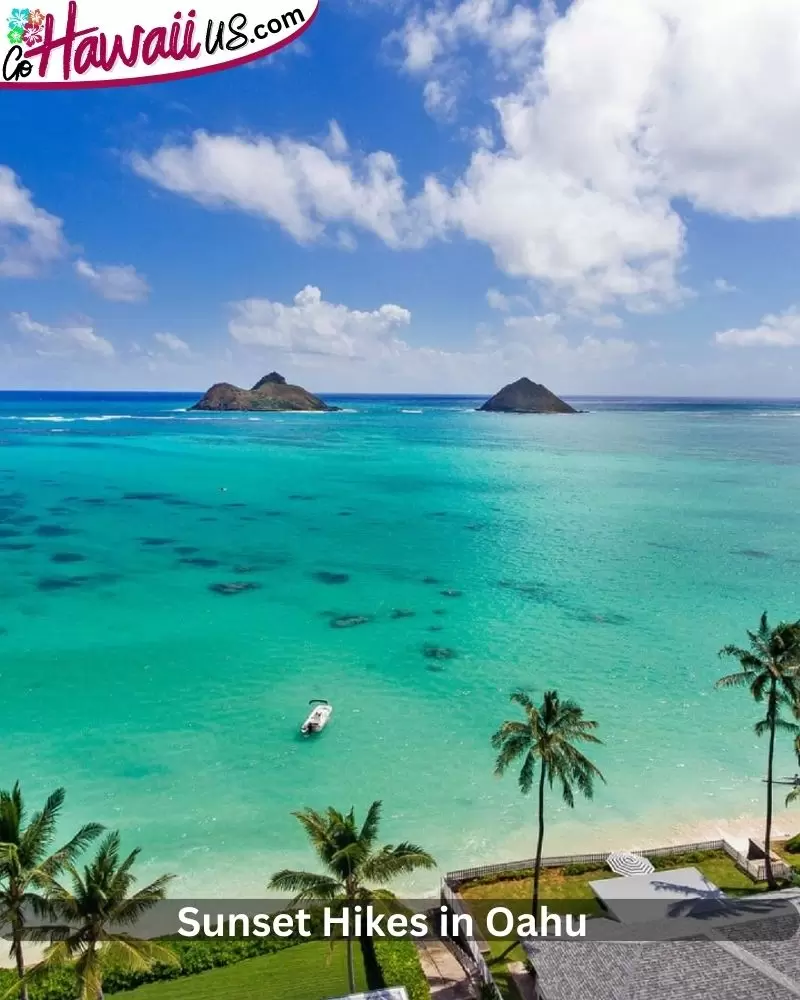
(437, 197)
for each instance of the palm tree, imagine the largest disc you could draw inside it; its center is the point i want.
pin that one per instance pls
(352, 860)
(99, 900)
(547, 736)
(770, 668)
(28, 863)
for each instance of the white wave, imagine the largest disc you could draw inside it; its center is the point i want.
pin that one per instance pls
(411, 411)
(47, 420)
(110, 416)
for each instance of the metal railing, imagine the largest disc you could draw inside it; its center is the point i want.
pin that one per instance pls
(470, 946)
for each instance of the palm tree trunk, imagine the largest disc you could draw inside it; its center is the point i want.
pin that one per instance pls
(350, 890)
(17, 952)
(19, 959)
(537, 868)
(773, 713)
(351, 971)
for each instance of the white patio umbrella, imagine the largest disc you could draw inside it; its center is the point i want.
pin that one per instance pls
(623, 863)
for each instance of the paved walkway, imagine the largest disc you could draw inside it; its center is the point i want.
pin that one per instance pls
(446, 978)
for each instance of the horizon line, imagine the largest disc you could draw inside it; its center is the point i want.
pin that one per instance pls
(410, 395)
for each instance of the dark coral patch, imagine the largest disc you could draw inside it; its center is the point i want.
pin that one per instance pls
(326, 576)
(239, 587)
(67, 557)
(54, 531)
(431, 652)
(350, 621)
(51, 584)
(147, 496)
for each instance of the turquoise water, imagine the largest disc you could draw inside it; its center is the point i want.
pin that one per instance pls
(609, 555)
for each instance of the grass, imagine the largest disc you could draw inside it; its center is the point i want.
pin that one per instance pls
(570, 893)
(310, 971)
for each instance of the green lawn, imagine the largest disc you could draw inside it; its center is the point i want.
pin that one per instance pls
(306, 972)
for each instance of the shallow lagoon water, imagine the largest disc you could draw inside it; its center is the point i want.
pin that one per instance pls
(609, 555)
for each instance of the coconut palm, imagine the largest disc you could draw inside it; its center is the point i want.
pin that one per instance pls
(770, 668)
(547, 738)
(28, 863)
(353, 863)
(98, 901)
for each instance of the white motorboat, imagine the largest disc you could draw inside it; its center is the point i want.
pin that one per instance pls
(318, 716)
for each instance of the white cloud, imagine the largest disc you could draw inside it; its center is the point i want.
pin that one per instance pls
(62, 341)
(608, 320)
(29, 236)
(775, 330)
(440, 99)
(302, 187)
(313, 326)
(507, 30)
(599, 144)
(597, 149)
(172, 343)
(506, 303)
(724, 287)
(115, 282)
(322, 339)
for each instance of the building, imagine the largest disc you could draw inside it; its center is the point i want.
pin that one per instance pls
(675, 936)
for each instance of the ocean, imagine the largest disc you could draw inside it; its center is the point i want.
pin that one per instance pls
(609, 555)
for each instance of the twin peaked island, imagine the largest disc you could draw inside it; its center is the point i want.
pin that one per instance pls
(274, 393)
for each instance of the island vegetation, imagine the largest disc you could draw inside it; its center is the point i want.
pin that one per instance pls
(271, 393)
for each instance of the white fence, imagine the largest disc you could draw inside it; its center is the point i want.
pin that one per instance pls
(455, 878)
(453, 900)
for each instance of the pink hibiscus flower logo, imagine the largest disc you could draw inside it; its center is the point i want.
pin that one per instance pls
(32, 35)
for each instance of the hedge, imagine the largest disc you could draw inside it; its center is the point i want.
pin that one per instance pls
(793, 845)
(399, 965)
(193, 957)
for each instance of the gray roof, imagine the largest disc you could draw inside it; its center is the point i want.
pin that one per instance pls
(734, 960)
(644, 898)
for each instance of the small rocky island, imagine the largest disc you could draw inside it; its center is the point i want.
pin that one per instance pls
(270, 393)
(524, 396)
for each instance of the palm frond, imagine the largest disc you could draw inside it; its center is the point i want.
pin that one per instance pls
(369, 829)
(306, 885)
(391, 861)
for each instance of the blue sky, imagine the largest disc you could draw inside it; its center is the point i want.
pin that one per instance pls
(423, 198)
